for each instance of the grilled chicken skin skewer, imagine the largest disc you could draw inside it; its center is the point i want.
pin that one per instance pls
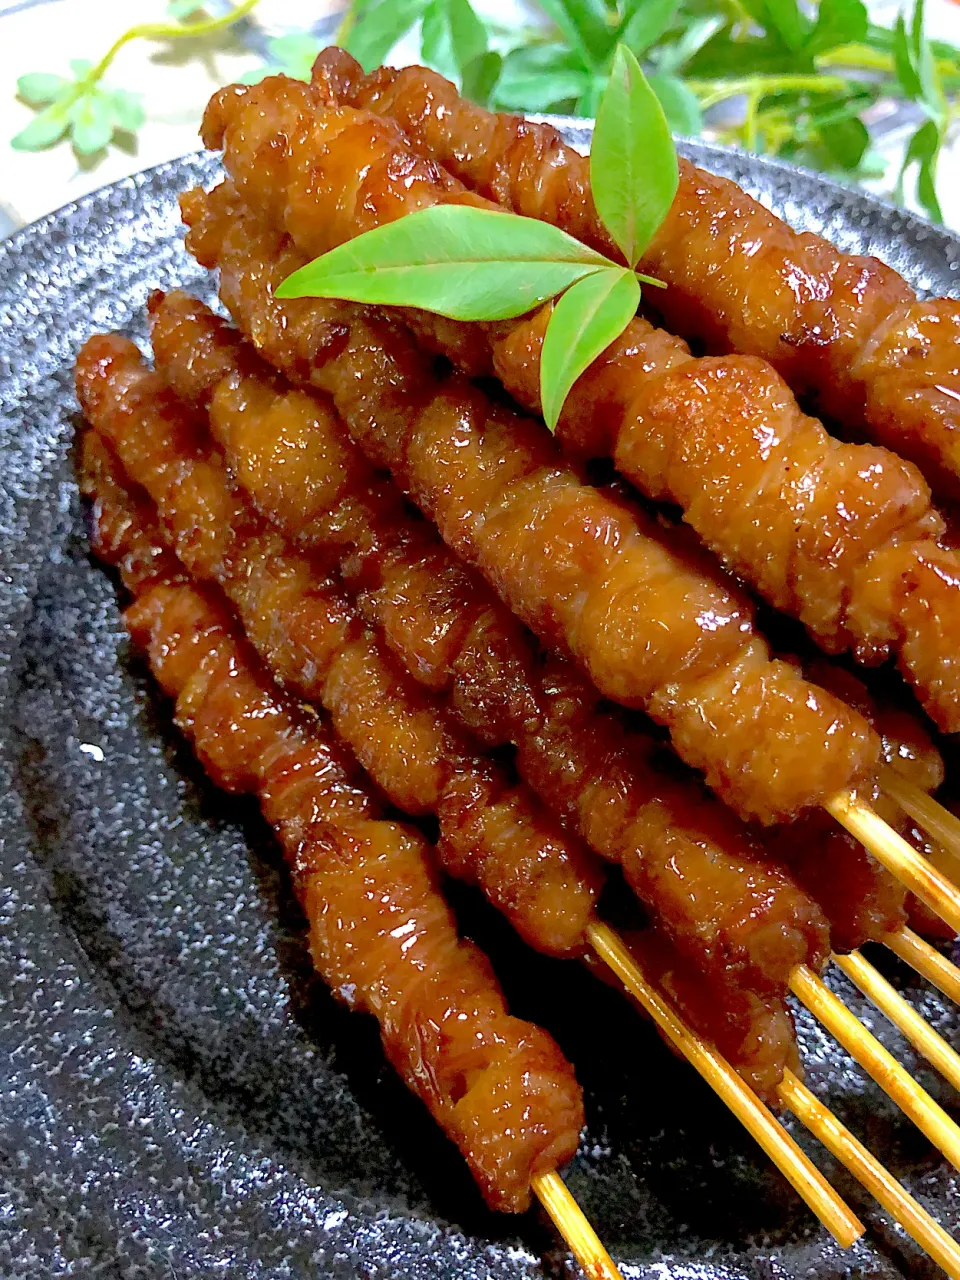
(685, 855)
(844, 330)
(379, 928)
(577, 567)
(843, 537)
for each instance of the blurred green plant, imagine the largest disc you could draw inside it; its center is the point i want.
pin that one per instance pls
(770, 75)
(781, 77)
(85, 109)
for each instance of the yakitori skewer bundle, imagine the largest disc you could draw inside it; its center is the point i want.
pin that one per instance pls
(844, 329)
(649, 624)
(453, 634)
(582, 763)
(127, 534)
(110, 367)
(269, 493)
(841, 536)
(379, 927)
(687, 857)
(581, 569)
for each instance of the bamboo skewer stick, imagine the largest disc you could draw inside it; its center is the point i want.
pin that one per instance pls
(903, 1016)
(926, 960)
(900, 858)
(868, 1170)
(796, 1167)
(572, 1223)
(928, 813)
(894, 1079)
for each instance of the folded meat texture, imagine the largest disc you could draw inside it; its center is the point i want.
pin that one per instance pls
(380, 932)
(844, 329)
(588, 573)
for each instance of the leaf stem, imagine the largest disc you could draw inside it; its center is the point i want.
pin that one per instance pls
(157, 31)
(710, 92)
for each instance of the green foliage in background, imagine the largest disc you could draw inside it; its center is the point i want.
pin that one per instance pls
(774, 76)
(770, 75)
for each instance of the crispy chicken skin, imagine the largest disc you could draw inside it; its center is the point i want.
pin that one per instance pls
(380, 933)
(493, 834)
(844, 330)
(686, 857)
(587, 573)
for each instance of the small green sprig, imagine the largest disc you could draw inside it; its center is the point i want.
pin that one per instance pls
(83, 107)
(482, 264)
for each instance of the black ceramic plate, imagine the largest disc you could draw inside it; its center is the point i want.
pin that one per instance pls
(177, 1097)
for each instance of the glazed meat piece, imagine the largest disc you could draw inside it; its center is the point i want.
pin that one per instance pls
(492, 834)
(380, 932)
(842, 329)
(687, 858)
(577, 567)
(843, 537)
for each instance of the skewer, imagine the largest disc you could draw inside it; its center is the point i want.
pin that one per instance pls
(868, 1170)
(796, 1167)
(903, 1016)
(572, 1223)
(900, 858)
(928, 813)
(915, 1102)
(926, 960)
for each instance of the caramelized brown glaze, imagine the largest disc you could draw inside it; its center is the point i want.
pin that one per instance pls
(380, 932)
(576, 566)
(843, 329)
(843, 537)
(687, 858)
(492, 833)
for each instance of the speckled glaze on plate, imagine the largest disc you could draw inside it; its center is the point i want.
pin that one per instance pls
(178, 1096)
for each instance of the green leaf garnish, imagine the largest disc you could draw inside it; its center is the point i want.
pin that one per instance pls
(483, 264)
(633, 162)
(469, 264)
(585, 320)
(452, 37)
(92, 121)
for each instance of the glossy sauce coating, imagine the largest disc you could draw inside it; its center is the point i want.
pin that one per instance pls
(581, 570)
(840, 536)
(380, 932)
(842, 329)
(695, 868)
(492, 834)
